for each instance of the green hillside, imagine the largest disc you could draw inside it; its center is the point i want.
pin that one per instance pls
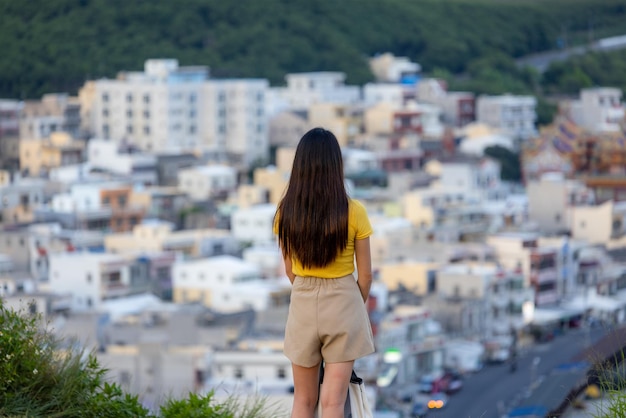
(56, 45)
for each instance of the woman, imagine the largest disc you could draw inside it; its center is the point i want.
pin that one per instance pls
(320, 231)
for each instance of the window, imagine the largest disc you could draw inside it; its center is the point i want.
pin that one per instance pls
(105, 112)
(146, 98)
(280, 373)
(89, 278)
(129, 129)
(146, 130)
(238, 372)
(105, 97)
(129, 98)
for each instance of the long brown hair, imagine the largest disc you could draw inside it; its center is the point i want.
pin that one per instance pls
(313, 214)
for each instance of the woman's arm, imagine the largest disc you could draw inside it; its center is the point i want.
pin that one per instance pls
(363, 266)
(288, 269)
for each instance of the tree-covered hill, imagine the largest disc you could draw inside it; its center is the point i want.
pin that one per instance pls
(55, 45)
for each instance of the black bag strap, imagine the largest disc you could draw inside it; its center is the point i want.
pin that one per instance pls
(353, 378)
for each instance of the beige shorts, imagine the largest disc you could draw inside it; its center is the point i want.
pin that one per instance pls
(327, 320)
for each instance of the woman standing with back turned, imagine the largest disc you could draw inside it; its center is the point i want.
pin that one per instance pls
(320, 231)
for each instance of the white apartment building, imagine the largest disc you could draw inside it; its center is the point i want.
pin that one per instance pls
(90, 278)
(514, 115)
(172, 108)
(20, 199)
(226, 284)
(205, 182)
(420, 206)
(235, 119)
(357, 160)
(254, 224)
(482, 175)
(105, 155)
(599, 109)
(268, 258)
(375, 93)
(82, 197)
(264, 372)
(155, 371)
(552, 200)
(502, 295)
(305, 89)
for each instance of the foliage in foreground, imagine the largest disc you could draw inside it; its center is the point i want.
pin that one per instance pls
(40, 378)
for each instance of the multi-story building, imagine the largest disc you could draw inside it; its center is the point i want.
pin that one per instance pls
(342, 120)
(92, 278)
(172, 108)
(411, 345)
(500, 296)
(599, 109)
(514, 115)
(305, 89)
(226, 284)
(39, 156)
(207, 182)
(254, 224)
(20, 200)
(10, 113)
(45, 239)
(287, 127)
(164, 203)
(99, 206)
(539, 265)
(160, 236)
(126, 162)
(388, 68)
(392, 94)
(458, 108)
(557, 204)
(53, 113)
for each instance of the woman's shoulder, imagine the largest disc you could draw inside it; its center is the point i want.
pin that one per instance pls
(356, 205)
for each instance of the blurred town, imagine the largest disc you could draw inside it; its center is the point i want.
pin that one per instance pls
(136, 219)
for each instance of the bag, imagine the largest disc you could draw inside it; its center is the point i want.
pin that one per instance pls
(357, 405)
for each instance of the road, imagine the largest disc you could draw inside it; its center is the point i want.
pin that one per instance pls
(495, 386)
(542, 61)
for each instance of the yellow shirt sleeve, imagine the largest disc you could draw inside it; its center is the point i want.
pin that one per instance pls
(362, 222)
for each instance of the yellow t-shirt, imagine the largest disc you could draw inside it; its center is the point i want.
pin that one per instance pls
(359, 227)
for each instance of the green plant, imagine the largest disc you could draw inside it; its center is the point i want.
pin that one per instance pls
(38, 377)
(195, 406)
(207, 406)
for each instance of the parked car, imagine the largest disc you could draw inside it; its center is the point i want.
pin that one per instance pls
(452, 382)
(419, 410)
